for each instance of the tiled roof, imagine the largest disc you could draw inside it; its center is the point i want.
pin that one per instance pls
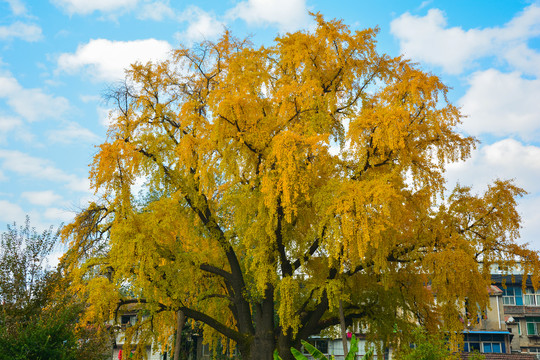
(495, 290)
(510, 280)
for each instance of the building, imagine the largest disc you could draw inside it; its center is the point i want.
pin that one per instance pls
(508, 330)
(520, 312)
(125, 320)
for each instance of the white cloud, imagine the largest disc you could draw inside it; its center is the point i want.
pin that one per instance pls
(42, 169)
(104, 116)
(32, 104)
(78, 184)
(201, 26)
(19, 30)
(24, 164)
(10, 212)
(106, 60)
(43, 198)
(13, 129)
(501, 104)
(523, 59)
(17, 7)
(57, 214)
(90, 98)
(156, 10)
(525, 25)
(8, 85)
(428, 39)
(85, 7)
(530, 216)
(425, 4)
(287, 15)
(72, 132)
(505, 159)
(7, 124)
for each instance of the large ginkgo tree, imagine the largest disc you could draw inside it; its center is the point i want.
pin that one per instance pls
(280, 181)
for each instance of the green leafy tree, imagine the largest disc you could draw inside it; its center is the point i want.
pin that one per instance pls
(476, 355)
(427, 346)
(46, 337)
(25, 279)
(38, 316)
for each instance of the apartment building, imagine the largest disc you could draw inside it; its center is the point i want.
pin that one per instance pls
(519, 306)
(508, 330)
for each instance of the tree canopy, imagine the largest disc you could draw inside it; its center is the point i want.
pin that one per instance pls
(280, 180)
(38, 317)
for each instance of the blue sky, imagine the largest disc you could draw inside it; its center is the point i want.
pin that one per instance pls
(58, 57)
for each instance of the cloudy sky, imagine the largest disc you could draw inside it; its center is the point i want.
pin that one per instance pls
(58, 57)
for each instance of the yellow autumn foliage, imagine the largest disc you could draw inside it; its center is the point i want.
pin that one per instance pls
(278, 181)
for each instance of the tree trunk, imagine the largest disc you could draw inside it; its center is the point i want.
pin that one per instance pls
(262, 344)
(343, 328)
(285, 342)
(261, 347)
(180, 320)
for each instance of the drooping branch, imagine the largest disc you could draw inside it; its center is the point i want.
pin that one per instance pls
(214, 324)
(124, 302)
(245, 323)
(332, 321)
(199, 205)
(192, 313)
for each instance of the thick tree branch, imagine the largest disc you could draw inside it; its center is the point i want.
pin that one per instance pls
(192, 313)
(227, 276)
(286, 268)
(311, 320)
(214, 324)
(314, 246)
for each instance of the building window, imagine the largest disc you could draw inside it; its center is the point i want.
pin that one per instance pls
(128, 320)
(512, 296)
(533, 326)
(492, 347)
(471, 346)
(485, 343)
(532, 298)
(321, 345)
(205, 351)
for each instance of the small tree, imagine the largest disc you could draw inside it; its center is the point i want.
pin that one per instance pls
(426, 346)
(38, 316)
(24, 274)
